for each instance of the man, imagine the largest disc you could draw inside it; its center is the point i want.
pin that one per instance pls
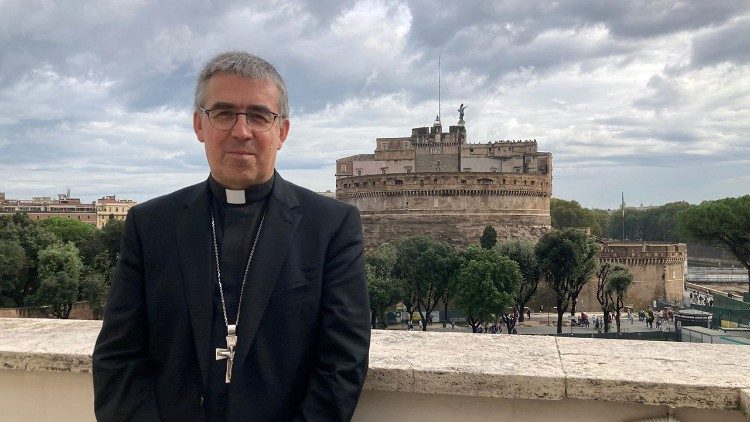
(242, 297)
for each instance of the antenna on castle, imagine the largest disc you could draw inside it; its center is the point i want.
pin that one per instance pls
(439, 87)
(623, 216)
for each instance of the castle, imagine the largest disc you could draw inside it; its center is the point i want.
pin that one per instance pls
(435, 183)
(658, 269)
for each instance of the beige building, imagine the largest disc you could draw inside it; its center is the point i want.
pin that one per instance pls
(658, 268)
(111, 208)
(435, 183)
(42, 207)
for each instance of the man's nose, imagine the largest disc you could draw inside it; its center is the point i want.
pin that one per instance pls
(241, 128)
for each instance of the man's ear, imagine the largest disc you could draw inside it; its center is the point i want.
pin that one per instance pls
(283, 132)
(198, 125)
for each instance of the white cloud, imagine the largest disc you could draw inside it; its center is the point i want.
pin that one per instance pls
(98, 96)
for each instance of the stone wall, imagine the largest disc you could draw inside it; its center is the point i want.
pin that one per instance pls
(457, 229)
(658, 273)
(455, 207)
(437, 157)
(45, 375)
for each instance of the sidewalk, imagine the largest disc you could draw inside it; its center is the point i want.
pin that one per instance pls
(538, 325)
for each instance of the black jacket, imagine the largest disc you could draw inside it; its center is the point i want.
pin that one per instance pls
(304, 335)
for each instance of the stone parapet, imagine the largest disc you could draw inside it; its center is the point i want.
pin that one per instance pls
(452, 183)
(679, 375)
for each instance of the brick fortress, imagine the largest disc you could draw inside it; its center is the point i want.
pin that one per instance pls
(658, 269)
(435, 183)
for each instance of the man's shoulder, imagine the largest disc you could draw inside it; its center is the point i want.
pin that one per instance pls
(171, 201)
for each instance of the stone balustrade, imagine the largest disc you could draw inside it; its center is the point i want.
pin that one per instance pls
(45, 374)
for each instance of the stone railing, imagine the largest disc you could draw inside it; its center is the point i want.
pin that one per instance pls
(45, 375)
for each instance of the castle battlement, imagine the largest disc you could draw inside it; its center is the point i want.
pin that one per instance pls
(435, 182)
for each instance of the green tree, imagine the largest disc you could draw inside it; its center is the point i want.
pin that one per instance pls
(654, 224)
(385, 290)
(603, 290)
(93, 289)
(427, 267)
(68, 230)
(562, 256)
(59, 291)
(724, 222)
(111, 235)
(523, 254)
(618, 284)
(488, 238)
(13, 268)
(586, 270)
(33, 239)
(486, 285)
(570, 214)
(60, 272)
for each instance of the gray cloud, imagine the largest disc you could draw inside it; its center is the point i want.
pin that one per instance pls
(728, 44)
(98, 95)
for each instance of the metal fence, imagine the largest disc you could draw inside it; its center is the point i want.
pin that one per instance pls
(717, 275)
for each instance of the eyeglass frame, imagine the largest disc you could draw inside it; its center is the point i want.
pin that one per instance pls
(236, 117)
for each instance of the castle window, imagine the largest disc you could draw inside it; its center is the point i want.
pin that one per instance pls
(463, 180)
(407, 145)
(485, 181)
(384, 170)
(408, 169)
(359, 172)
(356, 184)
(434, 181)
(384, 145)
(493, 169)
(399, 182)
(467, 168)
(346, 185)
(343, 168)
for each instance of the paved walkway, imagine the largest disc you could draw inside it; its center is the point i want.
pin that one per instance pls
(538, 325)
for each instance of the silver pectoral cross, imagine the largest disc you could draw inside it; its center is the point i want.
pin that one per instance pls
(228, 353)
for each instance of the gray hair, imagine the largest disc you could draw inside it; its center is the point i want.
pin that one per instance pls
(242, 64)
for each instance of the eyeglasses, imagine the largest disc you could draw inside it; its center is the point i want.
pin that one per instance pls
(258, 120)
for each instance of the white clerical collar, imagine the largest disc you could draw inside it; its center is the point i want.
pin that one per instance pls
(242, 196)
(235, 196)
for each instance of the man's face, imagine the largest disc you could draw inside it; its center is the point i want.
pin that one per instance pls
(240, 157)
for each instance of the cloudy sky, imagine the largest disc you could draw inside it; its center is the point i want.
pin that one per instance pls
(647, 97)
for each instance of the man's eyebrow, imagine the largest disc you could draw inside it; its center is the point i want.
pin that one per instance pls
(222, 105)
(230, 106)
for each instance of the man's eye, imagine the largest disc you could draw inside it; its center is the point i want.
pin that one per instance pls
(224, 115)
(260, 118)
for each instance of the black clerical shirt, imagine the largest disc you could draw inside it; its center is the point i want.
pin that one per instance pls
(236, 228)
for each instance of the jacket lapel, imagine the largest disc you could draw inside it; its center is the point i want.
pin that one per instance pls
(275, 239)
(194, 245)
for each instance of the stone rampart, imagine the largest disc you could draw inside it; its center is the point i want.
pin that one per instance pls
(658, 273)
(455, 207)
